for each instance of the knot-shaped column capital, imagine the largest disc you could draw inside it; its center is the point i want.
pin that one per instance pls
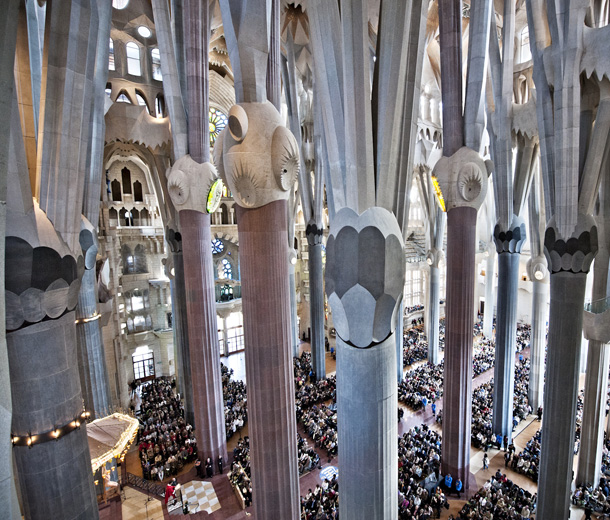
(42, 276)
(256, 155)
(575, 253)
(365, 275)
(434, 257)
(314, 233)
(194, 186)
(510, 240)
(463, 178)
(537, 269)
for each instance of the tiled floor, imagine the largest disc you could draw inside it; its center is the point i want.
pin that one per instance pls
(200, 496)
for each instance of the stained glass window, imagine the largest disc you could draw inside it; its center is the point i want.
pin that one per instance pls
(217, 246)
(217, 123)
(225, 271)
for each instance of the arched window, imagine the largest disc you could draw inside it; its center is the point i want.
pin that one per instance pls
(225, 270)
(141, 101)
(114, 217)
(133, 59)
(125, 218)
(137, 192)
(156, 64)
(126, 178)
(108, 90)
(136, 217)
(122, 98)
(140, 260)
(145, 218)
(218, 121)
(115, 187)
(160, 106)
(111, 56)
(525, 53)
(224, 214)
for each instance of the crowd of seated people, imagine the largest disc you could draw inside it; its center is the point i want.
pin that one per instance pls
(235, 400)
(415, 347)
(165, 441)
(426, 381)
(307, 391)
(499, 499)
(596, 499)
(320, 423)
(528, 460)
(240, 470)
(524, 331)
(419, 452)
(308, 458)
(321, 503)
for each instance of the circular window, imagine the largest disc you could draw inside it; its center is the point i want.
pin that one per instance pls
(144, 31)
(218, 121)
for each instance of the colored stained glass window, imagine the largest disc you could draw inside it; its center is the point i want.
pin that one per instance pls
(217, 123)
(217, 246)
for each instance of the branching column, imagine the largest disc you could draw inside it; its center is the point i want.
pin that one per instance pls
(364, 282)
(316, 300)
(569, 262)
(434, 258)
(508, 245)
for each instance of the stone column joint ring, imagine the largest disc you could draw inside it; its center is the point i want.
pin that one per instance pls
(512, 239)
(314, 233)
(574, 254)
(365, 275)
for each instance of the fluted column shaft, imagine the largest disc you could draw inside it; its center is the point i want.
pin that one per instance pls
(459, 322)
(538, 343)
(433, 313)
(181, 338)
(560, 393)
(203, 335)
(506, 339)
(316, 310)
(594, 413)
(55, 478)
(91, 356)
(292, 304)
(368, 429)
(263, 255)
(488, 314)
(400, 331)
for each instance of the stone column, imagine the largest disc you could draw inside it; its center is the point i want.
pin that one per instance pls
(55, 478)
(434, 287)
(364, 281)
(180, 323)
(539, 274)
(316, 300)
(91, 356)
(488, 314)
(400, 331)
(258, 158)
(263, 255)
(204, 354)
(292, 308)
(192, 186)
(508, 245)
(463, 180)
(569, 269)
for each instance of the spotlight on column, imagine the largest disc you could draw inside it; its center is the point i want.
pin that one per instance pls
(292, 257)
(539, 275)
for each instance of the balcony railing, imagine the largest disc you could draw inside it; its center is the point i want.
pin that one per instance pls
(598, 306)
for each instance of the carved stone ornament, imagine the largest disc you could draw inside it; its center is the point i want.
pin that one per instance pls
(537, 269)
(577, 252)
(42, 276)
(463, 178)
(88, 242)
(511, 240)
(194, 186)
(434, 257)
(365, 275)
(256, 155)
(314, 233)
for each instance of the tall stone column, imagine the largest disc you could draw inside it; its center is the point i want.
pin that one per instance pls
(258, 158)
(364, 281)
(316, 299)
(488, 314)
(400, 331)
(180, 323)
(569, 262)
(539, 274)
(292, 307)
(434, 258)
(91, 356)
(508, 245)
(463, 179)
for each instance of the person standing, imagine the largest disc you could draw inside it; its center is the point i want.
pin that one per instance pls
(485, 461)
(458, 487)
(433, 409)
(209, 468)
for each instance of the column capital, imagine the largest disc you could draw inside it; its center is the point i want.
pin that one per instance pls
(314, 233)
(365, 275)
(256, 155)
(194, 186)
(434, 257)
(510, 240)
(463, 178)
(575, 253)
(537, 269)
(173, 237)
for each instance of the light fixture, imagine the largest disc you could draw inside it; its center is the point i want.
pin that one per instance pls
(144, 31)
(438, 193)
(539, 275)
